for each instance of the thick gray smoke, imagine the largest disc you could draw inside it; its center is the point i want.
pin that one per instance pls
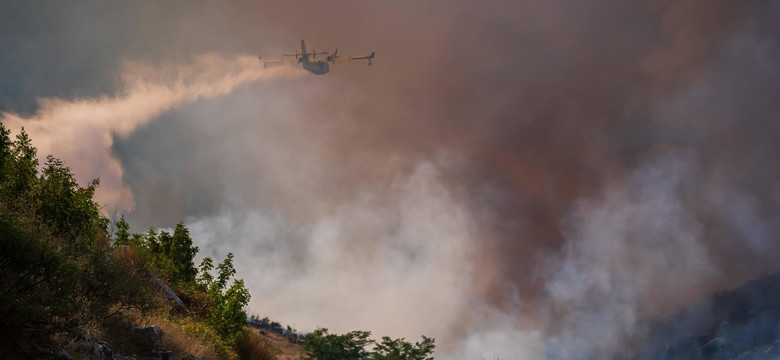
(519, 179)
(607, 276)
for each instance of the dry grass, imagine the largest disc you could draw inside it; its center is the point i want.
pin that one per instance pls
(283, 348)
(252, 346)
(181, 336)
(129, 258)
(181, 342)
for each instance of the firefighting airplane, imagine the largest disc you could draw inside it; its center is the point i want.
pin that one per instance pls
(311, 63)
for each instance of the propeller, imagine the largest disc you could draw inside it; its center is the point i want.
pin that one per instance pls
(332, 57)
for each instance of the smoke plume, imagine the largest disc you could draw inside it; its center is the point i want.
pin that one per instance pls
(81, 131)
(520, 179)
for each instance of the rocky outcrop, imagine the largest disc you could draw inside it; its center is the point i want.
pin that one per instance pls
(147, 340)
(87, 347)
(120, 357)
(176, 303)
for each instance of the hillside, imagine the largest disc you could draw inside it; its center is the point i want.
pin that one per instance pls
(284, 349)
(740, 324)
(75, 283)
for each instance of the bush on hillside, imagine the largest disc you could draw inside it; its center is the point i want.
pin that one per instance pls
(226, 303)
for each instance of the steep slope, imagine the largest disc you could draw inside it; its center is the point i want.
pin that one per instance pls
(285, 349)
(739, 324)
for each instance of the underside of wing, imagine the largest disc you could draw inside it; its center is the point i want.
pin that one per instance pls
(349, 58)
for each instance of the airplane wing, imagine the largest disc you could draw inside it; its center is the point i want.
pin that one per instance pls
(350, 58)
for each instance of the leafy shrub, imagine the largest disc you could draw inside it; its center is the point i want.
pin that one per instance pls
(226, 304)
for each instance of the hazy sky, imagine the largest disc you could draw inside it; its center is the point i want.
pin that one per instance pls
(525, 179)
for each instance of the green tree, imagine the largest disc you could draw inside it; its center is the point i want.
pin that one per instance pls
(398, 349)
(320, 345)
(20, 165)
(5, 153)
(137, 241)
(205, 277)
(65, 205)
(122, 234)
(165, 243)
(152, 241)
(181, 254)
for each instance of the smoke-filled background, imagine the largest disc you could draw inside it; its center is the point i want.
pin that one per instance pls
(521, 179)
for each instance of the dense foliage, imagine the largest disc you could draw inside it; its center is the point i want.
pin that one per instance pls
(56, 277)
(61, 272)
(323, 346)
(398, 349)
(357, 345)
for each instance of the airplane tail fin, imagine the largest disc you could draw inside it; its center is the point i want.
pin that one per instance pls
(371, 57)
(303, 48)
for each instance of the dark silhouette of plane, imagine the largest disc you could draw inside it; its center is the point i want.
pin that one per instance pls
(313, 64)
